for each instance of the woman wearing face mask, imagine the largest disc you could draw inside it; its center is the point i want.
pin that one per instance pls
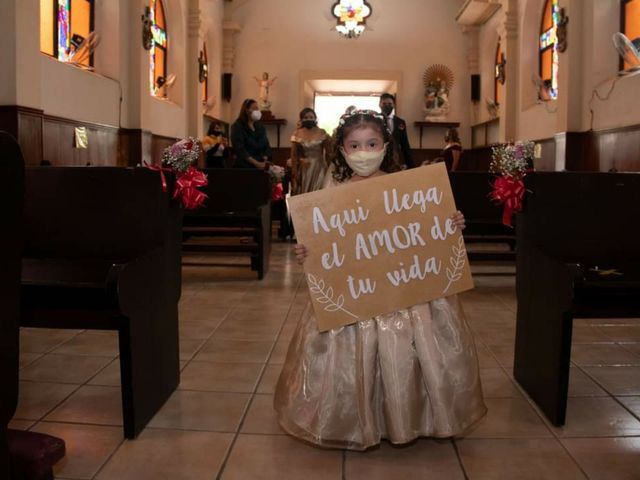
(309, 150)
(406, 374)
(249, 138)
(215, 146)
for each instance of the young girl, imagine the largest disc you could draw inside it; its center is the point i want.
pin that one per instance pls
(399, 376)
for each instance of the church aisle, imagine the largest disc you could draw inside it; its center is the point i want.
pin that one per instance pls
(234, 332)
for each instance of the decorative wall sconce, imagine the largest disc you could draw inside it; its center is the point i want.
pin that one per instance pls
(351, 17)
(562, 31)
(203, 67)
(147, 36)
(500, 70)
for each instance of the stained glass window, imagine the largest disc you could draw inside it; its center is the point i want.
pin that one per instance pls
(549, 47)
(630, 21)
(158, 66)
(64, 24)
(499, 74)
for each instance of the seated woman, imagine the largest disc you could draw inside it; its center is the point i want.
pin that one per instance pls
(249, 138)
(215, 147)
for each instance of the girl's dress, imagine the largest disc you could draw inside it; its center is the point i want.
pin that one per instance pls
(407, 374)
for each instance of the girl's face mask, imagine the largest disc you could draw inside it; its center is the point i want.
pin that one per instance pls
(364, 163)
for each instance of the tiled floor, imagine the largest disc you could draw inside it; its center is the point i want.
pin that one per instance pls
(220, 422)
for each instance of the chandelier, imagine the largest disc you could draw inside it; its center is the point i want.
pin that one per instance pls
(351, 17)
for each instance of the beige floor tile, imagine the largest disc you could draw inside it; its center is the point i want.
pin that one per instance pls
(617, 380)
(485, 357)
(580, 385)
(261, 417)
(496, 384)
(36, 399)
(42, 340)
(280, 457)
(279, 353)
(617, 333)
(597, 417)
(221, 377)
(503, 354)
(90, 404)
(632, 403)
(588, 334)
(21, 424)
(424, 459)
(207, 411)
(288, 329)
(189, 347)
(197, 330)
(510, 418)
(64, 368)
(87, 343)
(517, 459)
(209, 315)
(269, 379)
(27, 358)
(500, 335)
(632, 347)
(87, 447)
(235, 351)
(606, 458)
(247, 328)
(602, 354)
(108, 376)
(168, 454)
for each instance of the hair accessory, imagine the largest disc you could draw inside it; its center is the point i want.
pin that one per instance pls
(371, 113)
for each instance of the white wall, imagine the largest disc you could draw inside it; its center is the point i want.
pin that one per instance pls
(284, 37)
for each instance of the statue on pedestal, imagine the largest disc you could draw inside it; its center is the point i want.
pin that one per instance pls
(264, 85)
(438, 80)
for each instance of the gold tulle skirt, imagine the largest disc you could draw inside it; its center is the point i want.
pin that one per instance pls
(412, 373)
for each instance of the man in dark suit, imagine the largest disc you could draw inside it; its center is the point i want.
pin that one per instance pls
(398, 128)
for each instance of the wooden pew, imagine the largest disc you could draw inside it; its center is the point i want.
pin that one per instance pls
(483, 217)
(239, 205)
(574, 227)
(102, 251)
(27, 455)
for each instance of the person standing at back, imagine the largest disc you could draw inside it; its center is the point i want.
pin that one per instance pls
(398, 128)
(249, 138)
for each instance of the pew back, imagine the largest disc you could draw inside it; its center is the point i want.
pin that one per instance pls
(579, 217)
(471, 193)
(234, 190)
(86, 212)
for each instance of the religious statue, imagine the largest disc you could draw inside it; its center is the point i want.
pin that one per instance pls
(264, 85)
(438, 80)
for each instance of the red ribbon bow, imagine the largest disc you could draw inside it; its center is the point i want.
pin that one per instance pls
(163, 179)
(186, 188)
(510, 192)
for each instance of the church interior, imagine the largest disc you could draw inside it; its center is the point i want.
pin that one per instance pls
(158, 173)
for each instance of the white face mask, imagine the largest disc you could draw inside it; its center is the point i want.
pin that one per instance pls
(365, 164)
(256, 115)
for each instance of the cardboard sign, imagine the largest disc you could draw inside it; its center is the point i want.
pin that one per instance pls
(381, 244)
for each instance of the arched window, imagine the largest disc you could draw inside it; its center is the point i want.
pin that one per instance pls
(630, 21)
(204, 73)
(159, 50)
(549, 47)
(499, 74)
(64, 24)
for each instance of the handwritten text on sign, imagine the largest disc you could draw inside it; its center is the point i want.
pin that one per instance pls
(380, 244)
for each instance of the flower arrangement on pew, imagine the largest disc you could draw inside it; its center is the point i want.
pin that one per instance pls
(276, 173)
(181, 158)
(510, 162)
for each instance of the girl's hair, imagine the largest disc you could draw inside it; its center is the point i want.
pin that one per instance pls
(452, 136)
(350, 122)
(304, 111)
(243, 116)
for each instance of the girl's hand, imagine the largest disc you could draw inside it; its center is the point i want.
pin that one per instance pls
(458, 220)
(301, 253)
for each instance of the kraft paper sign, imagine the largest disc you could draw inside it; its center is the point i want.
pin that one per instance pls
(379, 245)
